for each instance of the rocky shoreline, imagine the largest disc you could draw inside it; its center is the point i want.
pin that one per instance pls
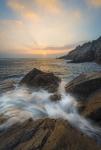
(45, 134)
(56, 134)
(88, 52)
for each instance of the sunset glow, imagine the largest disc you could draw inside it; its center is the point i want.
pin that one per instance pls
(49, 28)
(44, 53)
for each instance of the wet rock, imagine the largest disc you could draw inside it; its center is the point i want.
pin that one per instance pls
(81, 106)
(2, 119)
(84, 85)
(87, 89)
(55, 97)
(93, 107)
(39, 79)
(96, 115)
(45, 134)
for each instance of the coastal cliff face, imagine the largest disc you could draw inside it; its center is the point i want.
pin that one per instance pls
(87, 52)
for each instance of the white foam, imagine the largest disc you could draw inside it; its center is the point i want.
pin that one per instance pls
(21, 104)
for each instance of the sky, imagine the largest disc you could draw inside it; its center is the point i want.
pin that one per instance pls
(47, 28)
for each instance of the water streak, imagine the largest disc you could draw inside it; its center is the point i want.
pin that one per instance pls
(20, 104)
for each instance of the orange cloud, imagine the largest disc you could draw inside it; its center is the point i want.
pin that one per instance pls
(52, 6)
(26, 10)
(15, 5)
(95, 3)
(23, 10)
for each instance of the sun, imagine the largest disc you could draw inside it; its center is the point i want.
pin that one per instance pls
(44, 53)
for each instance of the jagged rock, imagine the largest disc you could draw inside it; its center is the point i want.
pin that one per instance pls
(84, 85)
(45, 134)
(39, 79)
(87, 52)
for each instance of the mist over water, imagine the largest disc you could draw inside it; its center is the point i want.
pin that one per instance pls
(20, 104)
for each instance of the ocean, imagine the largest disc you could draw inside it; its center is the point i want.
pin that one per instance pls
(15, 69)
(20, 104)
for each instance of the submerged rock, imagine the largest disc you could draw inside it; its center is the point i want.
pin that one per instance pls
(55, 97)
(84, 85)
(45, 134)
(39, 79)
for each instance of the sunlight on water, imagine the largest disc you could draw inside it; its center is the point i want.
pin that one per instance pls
(16, 68)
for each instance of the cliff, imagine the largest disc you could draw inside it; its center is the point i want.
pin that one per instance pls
(87, 52)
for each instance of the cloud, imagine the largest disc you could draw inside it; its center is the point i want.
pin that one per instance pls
(52, 6)
(23, 9)
(95, 3)
(13, 34)
(75, 15)
(31, 10)
(18, 43)
(12, 23)
(30, 35)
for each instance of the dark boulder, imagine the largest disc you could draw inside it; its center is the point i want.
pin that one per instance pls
(96, 115)
(97, 49)
(87, 89)
(39, 79)
(55, 97)
(93, 107)
(84, 85)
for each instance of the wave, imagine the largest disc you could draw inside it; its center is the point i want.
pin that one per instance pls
(20, 104)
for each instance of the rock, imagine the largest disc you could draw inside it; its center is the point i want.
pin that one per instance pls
(87, 89)
(45, 134)
(39, 79)
(81, 106)
(93, 107)
(2, 119)
(55, 97)
(84, 85)
(97, 48)
(87, 52)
